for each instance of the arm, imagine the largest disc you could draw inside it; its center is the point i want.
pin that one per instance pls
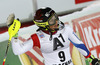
(81, 47)
(19, 48)
(78, 43)
(13, 27)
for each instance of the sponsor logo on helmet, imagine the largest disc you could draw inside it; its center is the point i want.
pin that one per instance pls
(47, 14)
(41, 24)
(38, 20)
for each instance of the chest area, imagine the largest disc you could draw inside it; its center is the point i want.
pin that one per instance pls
(59, 41)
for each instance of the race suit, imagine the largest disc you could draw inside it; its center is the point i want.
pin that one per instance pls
(55, 51)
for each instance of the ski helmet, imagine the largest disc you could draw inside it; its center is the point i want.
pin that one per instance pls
(45, 17)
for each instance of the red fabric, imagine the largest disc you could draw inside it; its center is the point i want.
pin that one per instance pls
(88, 56)
(35, 40)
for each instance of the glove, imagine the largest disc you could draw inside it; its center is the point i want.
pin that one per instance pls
(10, 21)
(93, 60)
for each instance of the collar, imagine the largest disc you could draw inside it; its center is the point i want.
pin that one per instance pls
(47, 32)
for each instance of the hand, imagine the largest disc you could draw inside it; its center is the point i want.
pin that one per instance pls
(93, 60)
(13, 25)
(10, 19)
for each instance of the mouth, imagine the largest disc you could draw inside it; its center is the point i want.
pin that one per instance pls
(57, 25)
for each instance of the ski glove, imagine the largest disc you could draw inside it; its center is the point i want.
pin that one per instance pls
(10, 21)
(93, 60)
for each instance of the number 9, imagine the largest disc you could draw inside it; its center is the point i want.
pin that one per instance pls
(61, 56)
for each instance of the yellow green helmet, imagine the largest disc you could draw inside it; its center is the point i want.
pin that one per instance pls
(45, 17)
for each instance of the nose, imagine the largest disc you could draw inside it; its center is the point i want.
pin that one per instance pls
(56, 24)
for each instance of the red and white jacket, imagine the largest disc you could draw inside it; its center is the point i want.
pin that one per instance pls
(55, 51)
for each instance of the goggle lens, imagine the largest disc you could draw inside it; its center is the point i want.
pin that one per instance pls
(52, 20)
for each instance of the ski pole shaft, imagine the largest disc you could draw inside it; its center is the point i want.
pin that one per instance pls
(6, 52)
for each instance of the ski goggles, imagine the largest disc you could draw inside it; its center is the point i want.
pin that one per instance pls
(51, 21)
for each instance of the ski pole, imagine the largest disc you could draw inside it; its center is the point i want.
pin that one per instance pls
(12, 30)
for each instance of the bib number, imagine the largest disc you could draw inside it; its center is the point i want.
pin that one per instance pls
(57, 43)
(61, 55)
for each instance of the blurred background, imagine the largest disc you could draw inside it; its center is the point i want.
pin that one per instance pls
(24, 9)
(82, 15)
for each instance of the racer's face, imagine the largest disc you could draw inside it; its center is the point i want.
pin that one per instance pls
(55, 26)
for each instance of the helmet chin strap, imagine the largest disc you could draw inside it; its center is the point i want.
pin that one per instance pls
(60, 26)
(50, 32)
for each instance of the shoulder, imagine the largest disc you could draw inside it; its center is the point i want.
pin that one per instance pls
(36, 40)
(68, 27)
(33, 35)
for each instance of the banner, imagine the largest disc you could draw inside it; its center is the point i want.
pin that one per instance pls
(81, 1)
(89, 29)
